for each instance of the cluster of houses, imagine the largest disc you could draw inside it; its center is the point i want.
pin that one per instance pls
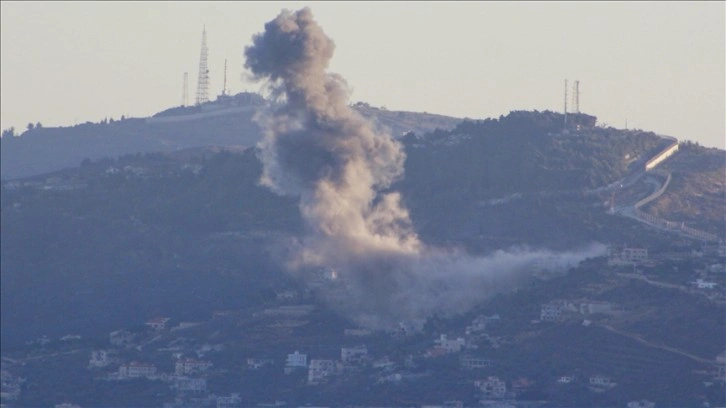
(711, 256)
(188, 375)
(318, 370)
(187, 379)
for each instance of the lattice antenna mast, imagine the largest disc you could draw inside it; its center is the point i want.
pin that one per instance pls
(203, 81)
(565, 103)
(224, 88)
(576, 97)
(185, 90)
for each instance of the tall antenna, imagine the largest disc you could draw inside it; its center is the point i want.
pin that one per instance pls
(203, 81)
(185, 90)
(576, 97)
(224, 88)
(565, 103)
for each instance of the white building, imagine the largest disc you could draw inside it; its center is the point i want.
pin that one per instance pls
(701, 284)
(355, 354)
(492, 387)
(566, 379)
(99, 358)
(136, 369)
(297, 359)
(186, 366)
(319, 370)
(450, 345)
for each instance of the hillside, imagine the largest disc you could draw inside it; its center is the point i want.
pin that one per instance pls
(224, 122)
(191, 235)
(139, 213)
(519, 173)
(697, 192)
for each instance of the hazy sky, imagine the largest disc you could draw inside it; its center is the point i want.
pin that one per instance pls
(658, 66)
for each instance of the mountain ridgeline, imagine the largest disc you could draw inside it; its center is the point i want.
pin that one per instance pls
(228, 121)
(525, 152)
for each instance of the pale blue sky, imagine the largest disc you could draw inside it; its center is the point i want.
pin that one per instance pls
(658, 65)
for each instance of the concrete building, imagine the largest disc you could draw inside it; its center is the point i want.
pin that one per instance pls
(99, 358)
(136, 369)
(319, 370)
(450, 345)
(492, 388)
(351, 355)
(295, 361)
(627, 256)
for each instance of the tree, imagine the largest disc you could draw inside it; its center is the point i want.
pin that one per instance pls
(30, 126)
(38, 125)
(9, 132)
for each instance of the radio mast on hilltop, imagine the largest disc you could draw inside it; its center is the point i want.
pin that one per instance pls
(224, 88)
(565, 112)
(576, 97)
(203, 81)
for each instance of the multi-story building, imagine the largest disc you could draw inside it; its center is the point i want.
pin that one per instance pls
(136, 369)
(319, 370)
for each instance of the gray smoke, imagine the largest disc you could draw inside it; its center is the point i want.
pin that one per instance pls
(318, 148)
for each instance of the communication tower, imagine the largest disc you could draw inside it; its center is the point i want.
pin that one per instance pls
(565, 103)
(203, 81)
(576, 97)
(224, 88)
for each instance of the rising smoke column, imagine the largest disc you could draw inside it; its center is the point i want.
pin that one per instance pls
(318, 148)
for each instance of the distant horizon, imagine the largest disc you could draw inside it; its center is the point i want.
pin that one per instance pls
(652, 66)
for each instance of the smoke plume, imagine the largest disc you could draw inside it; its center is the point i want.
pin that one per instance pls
(319, 149)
